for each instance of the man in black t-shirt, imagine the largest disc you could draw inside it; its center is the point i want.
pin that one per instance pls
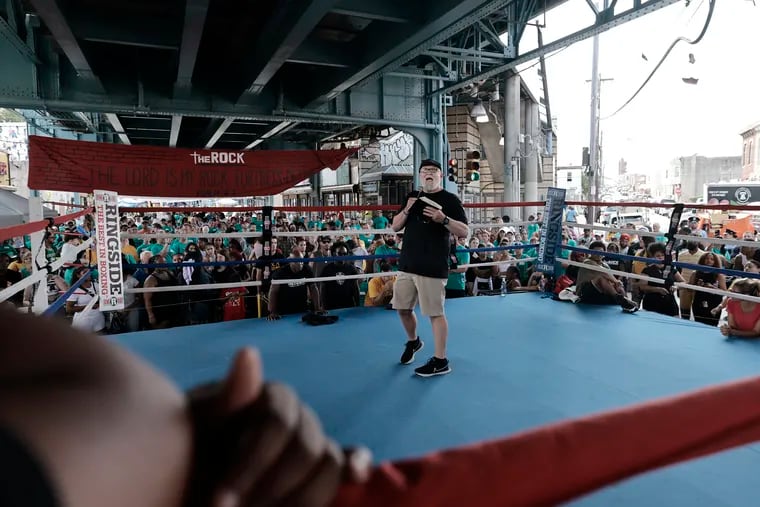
(340, 293)
(428, 218)
(292, 297)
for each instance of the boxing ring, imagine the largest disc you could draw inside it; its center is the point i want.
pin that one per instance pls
(514, 369)
(589, 396)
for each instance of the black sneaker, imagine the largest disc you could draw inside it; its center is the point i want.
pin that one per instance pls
(628, 306)
(433, 367)
(412, 347)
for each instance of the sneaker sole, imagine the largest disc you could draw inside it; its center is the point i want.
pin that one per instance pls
(426, 375)
(422, 345)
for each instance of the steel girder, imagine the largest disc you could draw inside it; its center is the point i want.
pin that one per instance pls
(373, 86)
(605, 21)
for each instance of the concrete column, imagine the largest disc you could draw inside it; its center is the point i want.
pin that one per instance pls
(511, 144)
(40, 302)
(438, 146)
(532, 158)
(429, 144)
(418, 157)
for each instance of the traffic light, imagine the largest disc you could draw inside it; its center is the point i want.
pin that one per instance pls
(473, 166)
(453, 170)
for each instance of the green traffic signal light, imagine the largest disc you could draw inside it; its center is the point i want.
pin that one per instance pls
(474, 176)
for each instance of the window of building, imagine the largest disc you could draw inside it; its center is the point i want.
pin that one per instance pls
(569, 176)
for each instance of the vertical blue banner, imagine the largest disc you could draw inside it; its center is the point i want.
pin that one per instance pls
(551, 230)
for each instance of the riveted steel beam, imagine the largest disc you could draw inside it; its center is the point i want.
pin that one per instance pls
(13, 14)
(174, 132)
(192, 31)
(322, 53)
(51, 14)
(387, 11)
(91, 26)
(280, 128)
(215, 131)
(118, 105)
(195, 19)
(446, 18)
(116, 124)
(597, 28)
(290, 25)
(10, 34)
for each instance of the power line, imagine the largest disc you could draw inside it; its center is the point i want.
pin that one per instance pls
(662, 60)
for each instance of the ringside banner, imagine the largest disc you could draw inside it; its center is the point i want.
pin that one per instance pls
(108, 248)
(551, 230)
(157, 171)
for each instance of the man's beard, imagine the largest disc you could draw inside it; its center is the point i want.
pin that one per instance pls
(429, 185)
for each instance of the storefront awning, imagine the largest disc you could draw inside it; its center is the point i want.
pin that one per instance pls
(391, 171)
(303, 189)
(337, 188)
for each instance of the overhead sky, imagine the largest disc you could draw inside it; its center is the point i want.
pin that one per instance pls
(669, 118)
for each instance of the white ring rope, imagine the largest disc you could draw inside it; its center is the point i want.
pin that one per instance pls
(233, 285)
(92, 303)
(41, 275)
(181, 288)
(296, 234)
(720, 241)
(163, 235)
(679, 285)
(636, 232)
(521, 260)
(500, 225)
(360, 276)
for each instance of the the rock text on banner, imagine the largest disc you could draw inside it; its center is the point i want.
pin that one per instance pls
(152, 171)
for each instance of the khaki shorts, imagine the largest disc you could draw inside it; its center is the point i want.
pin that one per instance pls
(409, 288)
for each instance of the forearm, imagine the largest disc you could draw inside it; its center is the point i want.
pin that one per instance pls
(272, 303)
(148, 298)
(458, 229)
(399, 221)
(315, 298)
(743, 334)
(646, 288)
(98, 419)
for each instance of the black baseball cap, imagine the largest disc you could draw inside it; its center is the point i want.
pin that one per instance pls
(429, 162)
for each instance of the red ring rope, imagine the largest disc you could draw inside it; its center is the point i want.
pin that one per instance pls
(66, 204)
(25, 229)
(556, 463)
(395, 207)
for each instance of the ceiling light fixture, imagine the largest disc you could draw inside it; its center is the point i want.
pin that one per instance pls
(478, 111)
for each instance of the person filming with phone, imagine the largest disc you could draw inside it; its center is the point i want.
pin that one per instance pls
(429, 217)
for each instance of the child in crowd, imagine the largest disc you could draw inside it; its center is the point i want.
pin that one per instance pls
(743, 316)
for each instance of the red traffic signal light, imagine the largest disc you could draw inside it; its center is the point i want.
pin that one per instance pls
(453, 163)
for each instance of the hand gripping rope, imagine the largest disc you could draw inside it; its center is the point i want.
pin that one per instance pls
(556, 463)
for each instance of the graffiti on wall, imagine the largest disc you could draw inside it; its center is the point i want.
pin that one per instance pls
(397, 150)
(14, 141)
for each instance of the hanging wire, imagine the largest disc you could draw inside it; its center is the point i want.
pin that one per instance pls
(662, 60)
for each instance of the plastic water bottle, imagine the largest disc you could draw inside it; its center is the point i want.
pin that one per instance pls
(503, 286)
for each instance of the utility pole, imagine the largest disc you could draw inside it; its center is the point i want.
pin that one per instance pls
(594, 166)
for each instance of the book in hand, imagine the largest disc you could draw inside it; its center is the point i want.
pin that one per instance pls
(421, 203)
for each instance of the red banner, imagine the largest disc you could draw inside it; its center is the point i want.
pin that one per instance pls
(151, 171)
